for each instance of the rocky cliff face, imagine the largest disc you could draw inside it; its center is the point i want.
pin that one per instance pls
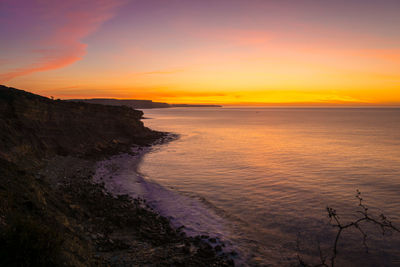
(33, 127)
(51, 211)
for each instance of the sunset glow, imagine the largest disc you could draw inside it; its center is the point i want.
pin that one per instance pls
(228, 52)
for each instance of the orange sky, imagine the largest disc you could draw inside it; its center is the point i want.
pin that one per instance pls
(229, 52)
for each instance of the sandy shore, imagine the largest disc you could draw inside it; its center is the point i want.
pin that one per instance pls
(119, 173)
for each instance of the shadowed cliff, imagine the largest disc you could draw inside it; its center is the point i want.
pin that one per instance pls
(34, 127)
(51, 211)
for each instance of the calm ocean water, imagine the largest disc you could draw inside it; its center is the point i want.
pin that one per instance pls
(261, 178)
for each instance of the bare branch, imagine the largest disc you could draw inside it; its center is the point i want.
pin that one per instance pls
(364, 217)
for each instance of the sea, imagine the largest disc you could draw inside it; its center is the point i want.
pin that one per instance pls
(260, 179)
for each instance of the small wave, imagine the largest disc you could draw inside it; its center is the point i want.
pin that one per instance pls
(195, 215)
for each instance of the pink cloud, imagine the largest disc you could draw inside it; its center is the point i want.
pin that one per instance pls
(49, 60)
(58, 28)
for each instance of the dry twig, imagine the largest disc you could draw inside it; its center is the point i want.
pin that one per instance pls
(364, 217)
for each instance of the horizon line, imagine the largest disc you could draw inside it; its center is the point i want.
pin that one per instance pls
(260, 104)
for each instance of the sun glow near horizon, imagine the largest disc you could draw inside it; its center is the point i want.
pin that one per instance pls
(224, 52)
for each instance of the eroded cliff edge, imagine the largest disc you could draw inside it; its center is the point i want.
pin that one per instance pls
(33, 127)
(51, 212)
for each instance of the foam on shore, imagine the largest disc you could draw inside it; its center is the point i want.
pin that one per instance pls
(120, 176)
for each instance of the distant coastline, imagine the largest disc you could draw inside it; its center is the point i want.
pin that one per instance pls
(138, 104)
(60, 216)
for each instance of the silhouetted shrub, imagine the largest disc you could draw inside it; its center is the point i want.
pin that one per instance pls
(362, 218)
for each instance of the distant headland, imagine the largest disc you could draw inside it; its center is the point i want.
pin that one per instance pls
(138, 104)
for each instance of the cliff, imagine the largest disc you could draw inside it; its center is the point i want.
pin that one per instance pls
(51, 211)
(33, 127)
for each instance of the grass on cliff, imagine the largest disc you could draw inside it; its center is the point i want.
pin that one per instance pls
(28, 242)
(27, 238)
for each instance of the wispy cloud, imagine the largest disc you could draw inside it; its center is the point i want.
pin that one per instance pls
(48, 60)
(59, 41)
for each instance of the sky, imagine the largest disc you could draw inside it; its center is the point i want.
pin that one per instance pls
(250, 52)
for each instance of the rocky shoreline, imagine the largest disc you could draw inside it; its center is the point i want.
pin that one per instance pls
(52, 212)
(127, 232)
